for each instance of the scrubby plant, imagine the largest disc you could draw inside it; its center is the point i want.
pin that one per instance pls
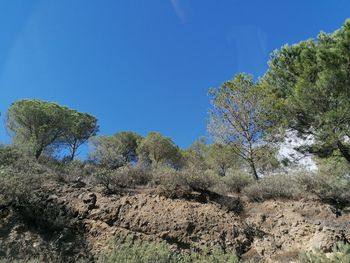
(273, 186)
(171, 183)
(176, 184)
(340, 254)
(236, 180)
(22, 261)
(201, 180)
(111, 180)
(331, 183)
(20, 176)
(123, 177)
(129, 251)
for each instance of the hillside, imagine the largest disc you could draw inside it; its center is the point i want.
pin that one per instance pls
(86, 220)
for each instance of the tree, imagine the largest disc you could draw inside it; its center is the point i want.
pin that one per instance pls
(37, 124)
(309, 85)
(239, 119)
(81, 127)
(40, 125)
(116, 150)
(221, 157)
(159, 149)
(195, 155)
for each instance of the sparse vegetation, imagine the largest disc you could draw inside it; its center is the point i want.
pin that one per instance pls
(129, 251)
(340, 254)
(272, 187)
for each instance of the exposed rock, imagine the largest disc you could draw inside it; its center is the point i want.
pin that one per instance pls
(274, 231)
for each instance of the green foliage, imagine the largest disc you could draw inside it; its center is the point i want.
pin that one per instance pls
(201, 180)
(114, 179)
(171, 183)
(128, 251)
(160, 150)
(239, 119)
(20, 176)
(116, 150)
(9, 155)
(195, 155)
(308, 84)
(331, 183)
(340, 254)
(39, 126)
(22, 261)
(71, 171)
(123, 177)
(271, 187)
(236, 180)
(221, 157)
(179, 184)
(81, 127)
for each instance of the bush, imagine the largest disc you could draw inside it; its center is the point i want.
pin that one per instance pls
(123, 177)
(171, 183)
(179, 184)
(9, 155)
(331, 189)
(235, 181)
(270, 187)
(22, 261)
(140, 175)
(111, 180)
(331, 183)
(20, 176)
(201, 181)
(340, 254)
(129, 251)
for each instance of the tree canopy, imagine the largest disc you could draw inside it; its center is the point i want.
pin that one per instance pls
(159, 149)
(309, 85)
(38, 125)
(116, 150)
(238, 118)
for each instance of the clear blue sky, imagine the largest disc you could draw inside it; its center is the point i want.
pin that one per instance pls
(146, 65)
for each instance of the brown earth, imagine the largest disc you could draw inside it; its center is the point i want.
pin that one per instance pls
(85, 220)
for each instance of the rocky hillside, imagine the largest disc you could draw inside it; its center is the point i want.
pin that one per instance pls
(75, 223)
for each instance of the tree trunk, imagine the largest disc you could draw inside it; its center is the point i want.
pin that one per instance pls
(252, 166)
(72, 156)
(38, 153)
(344, 150)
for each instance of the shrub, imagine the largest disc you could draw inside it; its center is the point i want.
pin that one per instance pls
(178, 184)
(20, 176)
(235, 181)
(201, 181)
(9, 155)
(22, 261)
(140, 175)
(270, 187)
(123, 177)
(340, 254)
(129, 251)
(331, 183)
(332, 189)
(70, 171)
(111, 180)
(171, 183)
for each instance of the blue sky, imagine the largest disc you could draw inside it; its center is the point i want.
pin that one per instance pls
(146, 65)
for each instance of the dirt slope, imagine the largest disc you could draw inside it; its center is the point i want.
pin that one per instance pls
(273, 231)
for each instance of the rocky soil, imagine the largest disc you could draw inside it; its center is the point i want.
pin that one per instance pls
(79, 223)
